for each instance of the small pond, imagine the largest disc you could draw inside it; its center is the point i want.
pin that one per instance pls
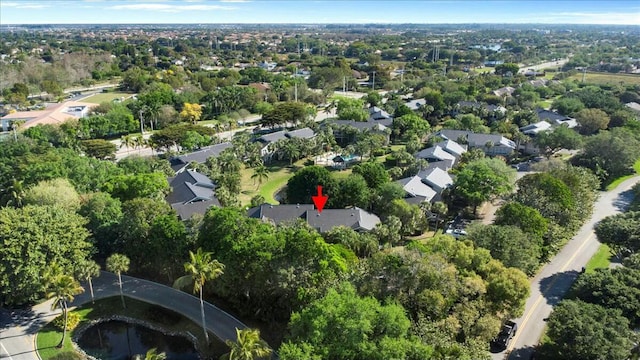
(118, 340)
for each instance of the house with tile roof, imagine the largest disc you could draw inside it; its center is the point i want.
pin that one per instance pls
(55, 114)
(354, 218)
(191, 193)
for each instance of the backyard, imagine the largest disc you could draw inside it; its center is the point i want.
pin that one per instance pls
(99, 98)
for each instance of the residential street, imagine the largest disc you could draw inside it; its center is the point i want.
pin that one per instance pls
(17, 337)
(555, 278)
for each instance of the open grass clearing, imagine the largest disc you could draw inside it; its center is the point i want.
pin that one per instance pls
(600, 260)
(608, 79)
(50, 336)
(618, 181)
(99, 98)
(279, 174)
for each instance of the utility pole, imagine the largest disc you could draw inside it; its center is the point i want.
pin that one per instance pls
(295, 85)
(141, 123)
(584, 73)
(373, 85)
(344, 85)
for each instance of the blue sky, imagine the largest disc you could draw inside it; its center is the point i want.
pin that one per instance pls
(322, 11)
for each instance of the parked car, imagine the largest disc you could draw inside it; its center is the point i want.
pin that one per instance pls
(508, 331)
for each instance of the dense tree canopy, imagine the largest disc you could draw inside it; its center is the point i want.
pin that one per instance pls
(342, 325)
(483, 179)
(32, 238)
(588, 331)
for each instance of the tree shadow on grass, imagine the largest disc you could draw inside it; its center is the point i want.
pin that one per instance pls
(554, 287)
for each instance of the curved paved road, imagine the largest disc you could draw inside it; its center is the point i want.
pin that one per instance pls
(17, 337)
(555, 278)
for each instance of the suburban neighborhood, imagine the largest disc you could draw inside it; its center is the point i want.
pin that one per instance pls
(331, 189)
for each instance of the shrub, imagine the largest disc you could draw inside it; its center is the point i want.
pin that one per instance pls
(73, 320)
(68, 355)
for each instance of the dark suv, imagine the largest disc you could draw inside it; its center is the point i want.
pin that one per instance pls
(500, 342)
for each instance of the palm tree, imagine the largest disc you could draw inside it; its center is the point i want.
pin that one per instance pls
(200, 268)
(14, 126)
(248, 346)
(118, 263)
(14, 194)
(291, 151)
(127, 141)
(439, 208)
(139, 142)
(152, 354)
(86, 270)
(62, 288)
(260, 173)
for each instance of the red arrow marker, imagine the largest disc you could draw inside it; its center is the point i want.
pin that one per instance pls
(319, 200)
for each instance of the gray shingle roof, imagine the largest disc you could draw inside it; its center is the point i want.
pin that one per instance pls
(452, 147)
(550, 115)
(199, 156)
(479, 140)
(273, 137)
(191, 187)
(186, 211)
(437, 178)
(414, 186)
(279, 213)
(435, 153)
(362, 125)
(304, 133)
(355, 218)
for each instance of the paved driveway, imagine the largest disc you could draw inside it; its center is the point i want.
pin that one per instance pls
(17, 337)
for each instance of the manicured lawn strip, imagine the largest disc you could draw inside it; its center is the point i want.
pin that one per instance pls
(607, 79)
(106, 97)
(47, 340)
(616, 182)
(50, 336)
(600, 259)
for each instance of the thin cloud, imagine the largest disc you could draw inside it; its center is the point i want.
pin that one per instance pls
(603, 18)
(20, 5)
(234, 1)
(169, 7)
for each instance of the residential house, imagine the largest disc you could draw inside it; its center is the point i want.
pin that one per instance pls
(55, 114)
(416, 104)
(491, 144)
(416, 190)
(180, 163)
(504, 91)
(435, 153)
(634, 106)
(354, 218)
(452, 148)
(556, 119)
(379, 121)
(269, 66)
(492, 111)
(191, 193)
(535, 128)
(266, 140)
(436, 178)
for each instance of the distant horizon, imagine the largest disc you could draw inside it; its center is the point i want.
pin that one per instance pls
(317, 12)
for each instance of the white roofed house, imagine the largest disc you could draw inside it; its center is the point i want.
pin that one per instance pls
(492, 144)
(435, 153)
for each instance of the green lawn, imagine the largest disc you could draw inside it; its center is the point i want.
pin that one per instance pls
(279, 174)
(50, 336)
(600, 259)
(106, 97)
(618, 181)
(608, 79)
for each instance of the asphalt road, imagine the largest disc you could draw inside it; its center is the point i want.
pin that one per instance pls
(17, 337)
(542, 66)
(555, 278)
